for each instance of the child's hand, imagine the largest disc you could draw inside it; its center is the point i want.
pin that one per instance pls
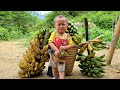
(57, 53)
(63, 48)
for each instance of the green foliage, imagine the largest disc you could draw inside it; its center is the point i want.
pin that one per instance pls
(4, 34)
(29, 37)
(50, 17)
(94, 32)
(118, 43)
(17, 24)
(68, 14)
(102, 19)
(22, 24)
(98, 31)
(11, 35)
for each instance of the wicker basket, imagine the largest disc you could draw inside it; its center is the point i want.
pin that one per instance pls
(71, 60)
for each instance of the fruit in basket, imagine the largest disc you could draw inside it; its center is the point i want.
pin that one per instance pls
(72, 53)
(73, 32)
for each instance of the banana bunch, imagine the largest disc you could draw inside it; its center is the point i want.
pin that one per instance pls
(91, 45)
(62, 56)
(77, 38)
(36, 55)
(72, 30)
(97, 43)
(91, 65)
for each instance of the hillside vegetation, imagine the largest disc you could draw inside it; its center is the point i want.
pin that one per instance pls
(22, 24)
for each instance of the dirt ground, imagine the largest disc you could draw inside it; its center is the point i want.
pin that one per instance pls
(11, 52)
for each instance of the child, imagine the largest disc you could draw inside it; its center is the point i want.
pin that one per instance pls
(58, 41)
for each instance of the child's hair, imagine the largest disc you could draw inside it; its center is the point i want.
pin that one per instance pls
(60, 16)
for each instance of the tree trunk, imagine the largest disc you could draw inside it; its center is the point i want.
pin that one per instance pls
(113, 43)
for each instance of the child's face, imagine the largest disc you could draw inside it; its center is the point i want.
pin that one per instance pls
(61, 25)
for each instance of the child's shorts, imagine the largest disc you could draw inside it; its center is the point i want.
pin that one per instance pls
(60, 66)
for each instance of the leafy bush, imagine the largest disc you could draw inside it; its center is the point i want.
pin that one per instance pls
(94, 32)
(29, 37)
(102, 19)
(4, 34)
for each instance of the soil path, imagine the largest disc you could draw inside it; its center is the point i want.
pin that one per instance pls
(11, 52)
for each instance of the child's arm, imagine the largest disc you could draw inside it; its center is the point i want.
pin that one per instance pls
(70, 45)
(65, 47)
(54, 48)
(50, 42)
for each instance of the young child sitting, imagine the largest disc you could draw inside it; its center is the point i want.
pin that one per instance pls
(59, 41)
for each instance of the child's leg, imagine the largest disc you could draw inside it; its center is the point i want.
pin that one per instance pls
(61, 69)
(54, 67)
(54, 72)
(61, 75)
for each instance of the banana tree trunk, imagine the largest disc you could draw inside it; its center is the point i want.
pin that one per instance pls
(113, 43)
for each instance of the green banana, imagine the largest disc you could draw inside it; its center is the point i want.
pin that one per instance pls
(95, 48)
(78, 39)
(98, 45)
(75, 40)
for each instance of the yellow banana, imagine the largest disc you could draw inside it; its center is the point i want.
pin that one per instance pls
(32, 42)
(42, 67)
(31, 50)
(38, 50)
(42, 57)
(46, 54)
(37, 41)
(36, 64)
(83, 48)
(32, 65)
(41, 41)
(90, 47)
(28, 57)
(45, 48)
(42, 52)
(31, 68)
(36, 68)
(21, 72)
(32, 73)
(33, 60)
(75, 40)
(38, 57)
(80, 36)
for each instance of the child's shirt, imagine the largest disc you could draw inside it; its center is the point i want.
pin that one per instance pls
(66, 40)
